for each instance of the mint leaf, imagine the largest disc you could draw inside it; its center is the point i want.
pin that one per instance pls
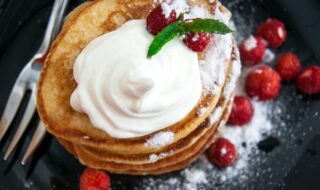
(207, 25)
(180, 17)
(179, 28)
(167, 34)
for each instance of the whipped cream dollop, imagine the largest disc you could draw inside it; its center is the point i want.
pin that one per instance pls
(128, 95)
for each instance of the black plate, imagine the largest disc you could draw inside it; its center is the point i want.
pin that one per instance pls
(295, 164)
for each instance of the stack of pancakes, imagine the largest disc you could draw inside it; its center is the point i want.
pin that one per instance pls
(94, 147)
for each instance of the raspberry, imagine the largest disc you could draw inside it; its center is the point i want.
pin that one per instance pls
(242, 111)
(222, 153)
(263, 83)
(252, 50)
(157, 20)
(273, 31)
(197, 42)
(308, 81)
(288, 66)
(94, 179)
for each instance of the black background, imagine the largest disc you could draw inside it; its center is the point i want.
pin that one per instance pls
(22, 23)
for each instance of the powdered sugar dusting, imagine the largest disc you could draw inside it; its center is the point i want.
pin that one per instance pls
(166, 9)
(155, 157)
(160, 139)
(219, 15)
(180, 6)
(195, 37)
(250, 43)
(202, 111)
(234, 75)
(245, 139)
(268, 56)
(214, 69)
(198, 12)
(215, 116)
(251, 133)
(194, 177)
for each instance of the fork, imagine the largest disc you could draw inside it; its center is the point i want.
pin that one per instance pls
(27, 80)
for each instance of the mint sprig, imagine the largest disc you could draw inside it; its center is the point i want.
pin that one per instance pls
(163, 37)
(180, 28)
(207, 25)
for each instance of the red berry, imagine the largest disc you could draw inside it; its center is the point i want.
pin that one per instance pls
(157, 20)
(308, 81)
(288, 66)
(197, 42)
(222, 153)
(242, 111)
(273, 31)
(92, 179)
(263, 83)
(252, 50)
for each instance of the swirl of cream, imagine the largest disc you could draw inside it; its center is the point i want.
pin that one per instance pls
(128, 95)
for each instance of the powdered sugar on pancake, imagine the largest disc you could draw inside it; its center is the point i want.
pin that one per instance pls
(213, 68)
(180, 6)
(219, 15)
(155, 157)
(160, 139)
(198, 12)
(234, 76)
(215, 116)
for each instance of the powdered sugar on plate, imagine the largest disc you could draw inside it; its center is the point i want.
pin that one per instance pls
(202, 173)
(251, 133)
(268, 56)
(194, 177)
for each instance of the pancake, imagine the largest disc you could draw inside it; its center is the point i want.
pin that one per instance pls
(171, 165)
(177, 158)
(174, 148)
(94, 147)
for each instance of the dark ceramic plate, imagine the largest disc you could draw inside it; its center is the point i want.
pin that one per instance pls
(295, 164)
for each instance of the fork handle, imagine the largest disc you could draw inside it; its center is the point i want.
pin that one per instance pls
(53, 27)
(59, 19)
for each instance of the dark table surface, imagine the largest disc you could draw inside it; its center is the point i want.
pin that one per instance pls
(297, 166)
